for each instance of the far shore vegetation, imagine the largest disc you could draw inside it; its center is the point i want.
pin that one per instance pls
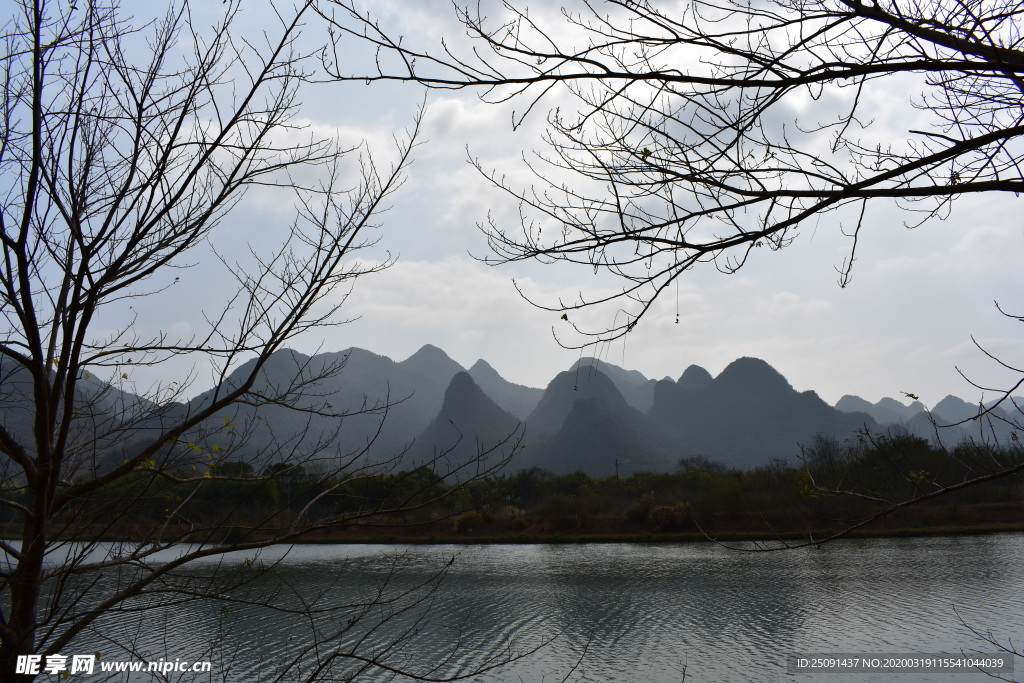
(833, 486)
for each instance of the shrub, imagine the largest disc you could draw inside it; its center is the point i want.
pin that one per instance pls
(669, 517)
(559, 512)
(637, 512)
(468, 521)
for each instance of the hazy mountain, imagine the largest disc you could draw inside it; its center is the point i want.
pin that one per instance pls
(685, 396)
(921, 425)
(106, 415)
(751, 376)
(363, 385)
(432, 364)
(997, 424)
(586, 418)
(881, 415)
(952, 409)
(469, 422)
(694, 378)
(887, 411)
(905, 411)
(642, 397)
(854, 404)
(946, 414)
(746, 416)
(560, 395)
(634, 387)
(583, 422)
(16, 400)
(593, 438)
(515, 398)
(619, 376)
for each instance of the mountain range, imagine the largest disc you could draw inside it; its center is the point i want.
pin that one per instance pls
(595, 417)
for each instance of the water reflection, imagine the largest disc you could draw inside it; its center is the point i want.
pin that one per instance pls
(639, 612)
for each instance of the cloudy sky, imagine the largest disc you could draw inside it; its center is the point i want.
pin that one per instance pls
(905, 323)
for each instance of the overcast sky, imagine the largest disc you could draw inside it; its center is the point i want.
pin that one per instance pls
(905, 323)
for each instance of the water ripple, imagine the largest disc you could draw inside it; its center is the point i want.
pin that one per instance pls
(639, 612)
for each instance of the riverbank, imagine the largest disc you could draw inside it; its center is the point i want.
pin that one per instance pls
(792, 537)
(449, 531)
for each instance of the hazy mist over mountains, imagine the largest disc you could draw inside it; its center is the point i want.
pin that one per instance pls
(595, 416)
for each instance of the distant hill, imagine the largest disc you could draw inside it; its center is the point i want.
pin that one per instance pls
(746, 416)
(15, 401)
(619, 376)
(363, 385)
(694, 378)
(956, 411)
(950, 420)
(515, 398)
(562, 392)
(906, 411)
(881, 415)
(469, 423)
(887, 411)
(107, 416)
(637, 390)
(590, 417)
(601, 441)
(953, 409)
(432, 365)
(584, 423)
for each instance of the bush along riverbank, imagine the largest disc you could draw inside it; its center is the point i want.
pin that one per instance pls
(831, 487)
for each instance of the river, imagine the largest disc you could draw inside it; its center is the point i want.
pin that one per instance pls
(595, 612)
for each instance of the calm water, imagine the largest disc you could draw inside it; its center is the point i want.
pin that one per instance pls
(622, 612)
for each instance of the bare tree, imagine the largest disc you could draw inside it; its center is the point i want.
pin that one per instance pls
(697, 133)
(122, 149)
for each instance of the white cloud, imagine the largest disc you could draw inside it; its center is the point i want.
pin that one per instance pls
(789, 305)
(182, 329)
(468, 309)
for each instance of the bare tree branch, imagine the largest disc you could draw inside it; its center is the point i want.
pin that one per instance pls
(122, 149)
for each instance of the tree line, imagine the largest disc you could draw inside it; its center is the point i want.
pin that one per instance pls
(834, 486)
